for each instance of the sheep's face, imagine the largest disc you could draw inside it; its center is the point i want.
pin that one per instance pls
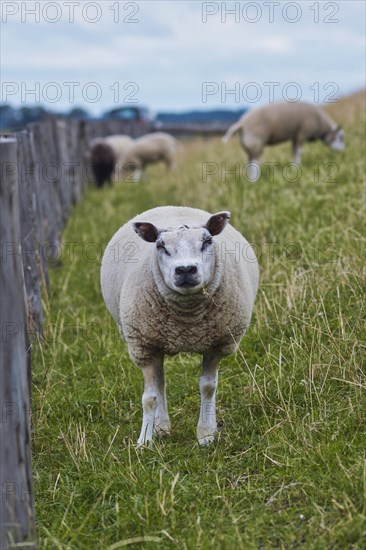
(186, 259)
(335, 139)
(185, 254)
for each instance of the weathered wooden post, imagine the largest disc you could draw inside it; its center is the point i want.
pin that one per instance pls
(31, 234)
(16, 505)
(51, 207)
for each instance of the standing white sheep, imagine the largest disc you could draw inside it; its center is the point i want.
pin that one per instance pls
(278, 122)
(149, 149)
(177, 279)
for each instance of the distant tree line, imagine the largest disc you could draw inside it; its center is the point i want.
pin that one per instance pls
(16, 118)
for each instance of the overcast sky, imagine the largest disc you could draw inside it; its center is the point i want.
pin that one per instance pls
(178, 55)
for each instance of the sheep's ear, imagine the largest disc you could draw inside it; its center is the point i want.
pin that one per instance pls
(146, 231)
(217, 223)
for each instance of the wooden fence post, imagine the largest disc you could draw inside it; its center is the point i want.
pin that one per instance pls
(30, 231)
(16, 505)
(43, 173)
(45, 157)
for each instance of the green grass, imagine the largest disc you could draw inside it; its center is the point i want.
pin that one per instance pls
(288, 467)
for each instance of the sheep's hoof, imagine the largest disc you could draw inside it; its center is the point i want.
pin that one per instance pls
(204, 441)
(206, 434)
(162, 428)
(144, 444)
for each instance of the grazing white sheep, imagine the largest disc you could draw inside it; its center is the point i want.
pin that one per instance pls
(149, 149)
(120, 145)
(283, 121)
(177, 279)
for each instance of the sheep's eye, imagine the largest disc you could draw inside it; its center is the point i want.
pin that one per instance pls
(162, 248)
(206, 243)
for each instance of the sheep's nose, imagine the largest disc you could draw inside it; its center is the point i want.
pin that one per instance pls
(186, 269)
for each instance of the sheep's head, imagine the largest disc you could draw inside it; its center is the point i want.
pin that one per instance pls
(335, 139)
(185, 254)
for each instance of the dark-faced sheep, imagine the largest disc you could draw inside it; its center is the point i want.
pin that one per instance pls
(106, 156)
(102, 159)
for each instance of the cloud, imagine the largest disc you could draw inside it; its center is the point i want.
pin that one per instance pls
(171, 51)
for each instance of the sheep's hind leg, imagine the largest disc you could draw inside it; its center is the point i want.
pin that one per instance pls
(296, 153)
(137, 174)
(253, 170)
(207, 426)
(155, 414)
(171, 165)
(253, 146)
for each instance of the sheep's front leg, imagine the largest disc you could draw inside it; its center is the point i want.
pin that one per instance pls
(207, 427)
(154, 408)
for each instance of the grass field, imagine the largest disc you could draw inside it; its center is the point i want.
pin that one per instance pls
(288, 467)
